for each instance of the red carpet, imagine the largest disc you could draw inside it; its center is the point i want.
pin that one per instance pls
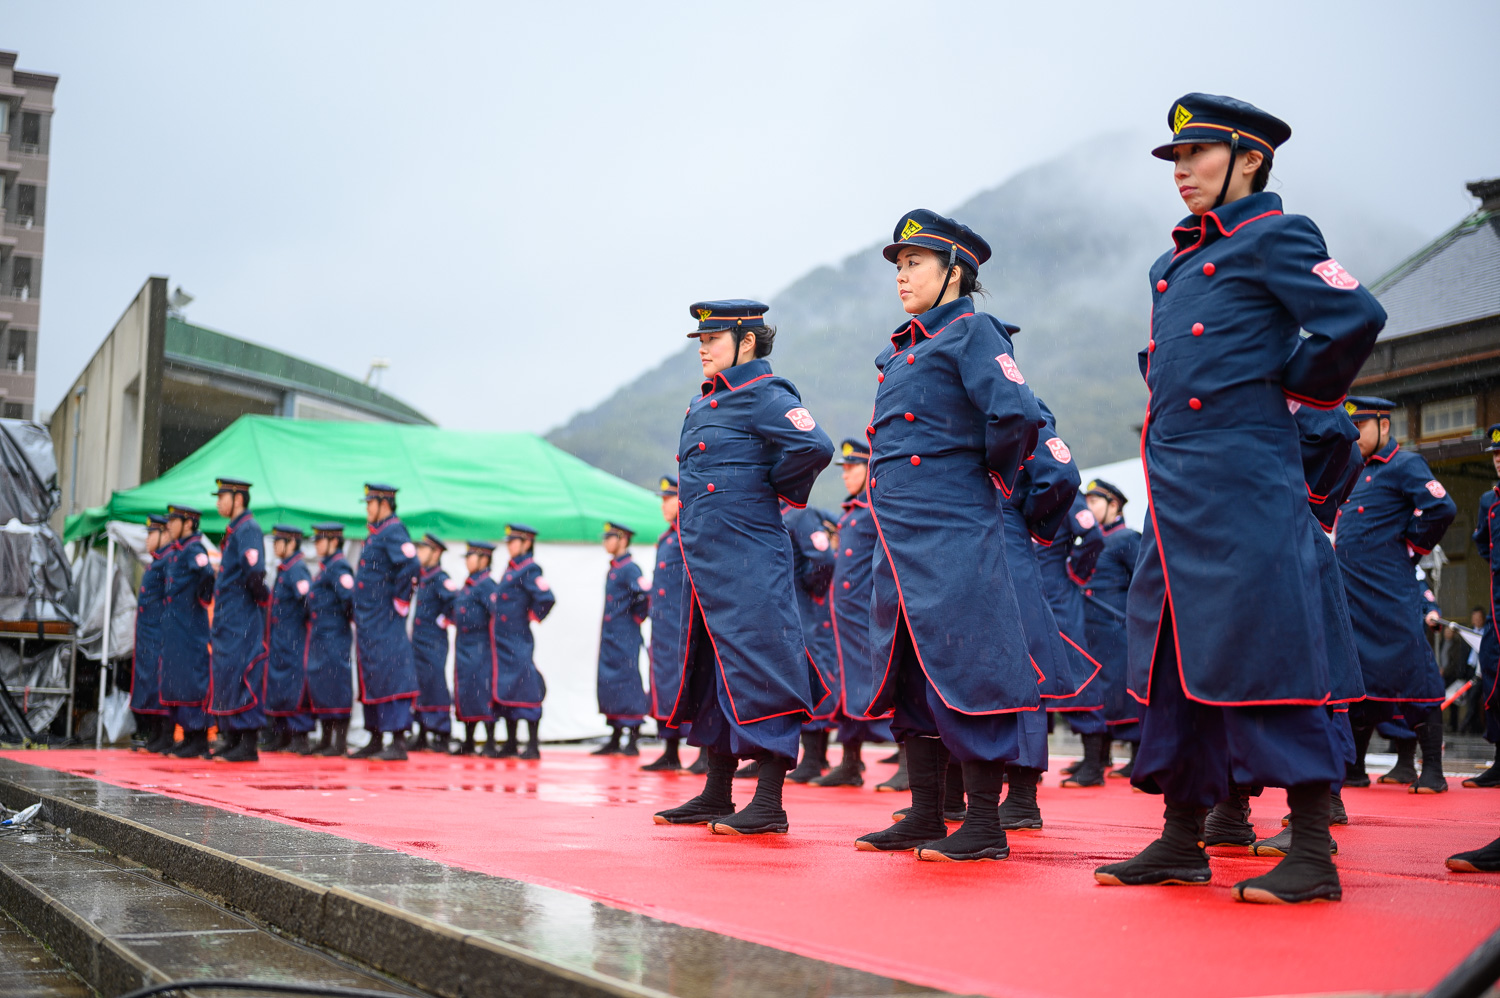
(1034, 925)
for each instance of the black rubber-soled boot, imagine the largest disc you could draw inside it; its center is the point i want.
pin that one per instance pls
(716, 800)
(245, 748)
(927, 769)
(1405, 769)
(901, 779)
(1089, 771)
(396, 750)
(466, 747)
(418, 742)
(275, 738)
(325, 740)
(1307, 873)
(300, 744)
(749, 771)
(1336, 813)
(1354, 772)
(1483, 860)
(632, 748)
(1228, 823)
(340, 736)
(161, 738)
(1125, 771)
(194, 746)
(491, 748)
(1175, 858)
(533, 749)
(814, 757)
(1020, 810)
(670, 760)
(980, 837)
(1430, 737)
(1490, 778)
(512, 748)
(1281, 843)
(764, 815)
(953, 792)
(611, 747)
(372, 747)
(226, 741)
(850, 770)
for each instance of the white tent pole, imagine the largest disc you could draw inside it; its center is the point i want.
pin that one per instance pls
(109, 593)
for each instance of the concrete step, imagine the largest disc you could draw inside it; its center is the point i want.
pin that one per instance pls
(30, 970)
(119, 928)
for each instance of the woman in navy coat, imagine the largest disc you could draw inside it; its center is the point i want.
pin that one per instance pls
(474, 608)
(525, 599)
(627, 605)
(668, 583)
(286, 659)
(1486, 539)
(145, 679)
(1249, 313)
(748, 446)
(952, 426)
(330, 640)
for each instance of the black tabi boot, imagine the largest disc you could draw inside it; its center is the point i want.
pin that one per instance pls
(533, 749)
(512, 747)
(1175, 858)
(631, 739)
(1485, 860)
(611, 747)
(1405, 769)
(418, 742)
(953, 792)
(764, 815)
(814, 757)
(300, 744)
(927, 767)
(161, 739)
(748, 771)
(1489, 778)
(850, 770)
(1354, 772)
(1307, 873)
(325, 740)
(893, 757)
(1228, 824)
(244, 749)
(1336, 813)
(700, 764)
(670, 761)
(1089, 771)
(466, 747)
(1125, 771)
(340, 744)
(1020, 810)
(716, 800)
(491, 748)
(396, 750)
(194, 746)
(980, 837)
(900, 780)
(1430, 737)
(373, 748)
(226, 741)
(280, 740)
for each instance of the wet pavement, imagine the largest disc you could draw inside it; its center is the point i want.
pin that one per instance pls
(29, 970)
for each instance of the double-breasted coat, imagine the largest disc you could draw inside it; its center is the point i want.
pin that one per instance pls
(186, 595)
(747, 447)
(475, 608)
(330, 688)
(145, 679)
(627, 605)
(1065, 564)
(953, 423)
(388, 570)
(1485, 535)
(853, 585)
(525, 598)
(1249, 312)
(668, 587)
(429, 641)
(291, 626)
(812, 567)
(1396, 513)
(1104, 598)
(239, 625)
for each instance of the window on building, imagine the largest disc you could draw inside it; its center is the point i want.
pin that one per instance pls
(15, 350)
(14, 410)
(20, 276)
(25, 202)
(1449, 417)
(31, 131)
(4, 116)
(1399, 430)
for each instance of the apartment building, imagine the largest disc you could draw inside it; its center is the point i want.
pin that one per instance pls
(25, 140)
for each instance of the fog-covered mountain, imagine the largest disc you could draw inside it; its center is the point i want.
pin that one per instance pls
(1073, 239)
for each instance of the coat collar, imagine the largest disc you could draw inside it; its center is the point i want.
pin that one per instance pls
(477, 577)
(1224, 222)
(931, 322)
(739, 376)
(380, 525)
(861, 501)
(522, 562)
(624, 559)
(334, 558)
(432, 573)
(1384, 454)
(236, 522)
(294, 558)
(1111, 528)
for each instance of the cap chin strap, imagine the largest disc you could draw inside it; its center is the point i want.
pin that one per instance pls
(1234, 149)
(947, 276)
(738, 333)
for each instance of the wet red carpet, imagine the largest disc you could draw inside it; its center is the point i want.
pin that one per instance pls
(1034, 925)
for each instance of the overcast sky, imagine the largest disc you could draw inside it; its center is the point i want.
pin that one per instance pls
(516, 203)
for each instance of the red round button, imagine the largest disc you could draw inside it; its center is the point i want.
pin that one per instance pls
(678, 457)
(702, 445)
(846, 585)
(872, 483)
(1161, 285)
(1361, 509)
(910, 359)
(915, 459)
(870, 430)
(1194, 404)
(1208, 270)
(848, 552)
(1197, 329)
(910, 418)
(710, 486)
(713, 403)
(1367, 478)
(880, 376)
(1151, 347)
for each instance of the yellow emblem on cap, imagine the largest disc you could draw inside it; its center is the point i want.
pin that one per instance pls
(1091, 486)
(1495, 436)
(848, 449)
(1180, 118)
(1350, 408)
(910, 229)
(703, 314)
(665, 484)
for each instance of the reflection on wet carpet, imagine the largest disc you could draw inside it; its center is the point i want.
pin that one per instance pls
(1034, 925)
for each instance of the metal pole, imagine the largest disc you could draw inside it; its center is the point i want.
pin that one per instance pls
(109, 592)
(77, 417)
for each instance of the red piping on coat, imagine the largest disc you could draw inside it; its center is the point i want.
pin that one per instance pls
(1083, 685)
(1203, 229)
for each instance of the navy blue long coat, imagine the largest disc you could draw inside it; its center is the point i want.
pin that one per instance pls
(747, 446)
(627, 604)
(330, 687)
(1064, 564)
(1104, 598)
(388, 570)
(239, 625)
(525, 598)
(429, 640)
(812, 567)
(1485, 533)
(852, 588)
(668, 591)
(291, 625)
(1396, 513)
(1225, 357)
(952, 425)
(187, 592)
(474, 611)
(145, 679)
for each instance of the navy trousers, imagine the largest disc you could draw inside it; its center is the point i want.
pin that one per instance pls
(393, 715)
(921, 713)
(1084, 722)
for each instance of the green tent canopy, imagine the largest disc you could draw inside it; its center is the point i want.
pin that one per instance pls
(454, 483)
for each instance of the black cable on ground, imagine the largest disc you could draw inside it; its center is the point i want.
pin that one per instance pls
(1473, 977)
(326, 990)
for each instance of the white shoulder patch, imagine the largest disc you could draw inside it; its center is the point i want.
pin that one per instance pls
(302, 587)
(347, 581)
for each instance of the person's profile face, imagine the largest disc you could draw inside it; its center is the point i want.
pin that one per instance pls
(919, 278)
(854, 477)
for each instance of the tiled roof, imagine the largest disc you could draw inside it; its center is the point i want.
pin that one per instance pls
(1453, 280)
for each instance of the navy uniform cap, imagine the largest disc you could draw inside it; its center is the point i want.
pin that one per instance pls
(1211, 118)
(1494, 437)
(727, 313)
(329, 528)
(935, 232)
(519, 530)
(230, 485)
(853, 451)
(483, 547)
(183, 512)
(155, 521)
(431, 540)
(287, 530)
(667, 486)
(1363, 407)
(611, 527)
(379, 490)
(1099, 487)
